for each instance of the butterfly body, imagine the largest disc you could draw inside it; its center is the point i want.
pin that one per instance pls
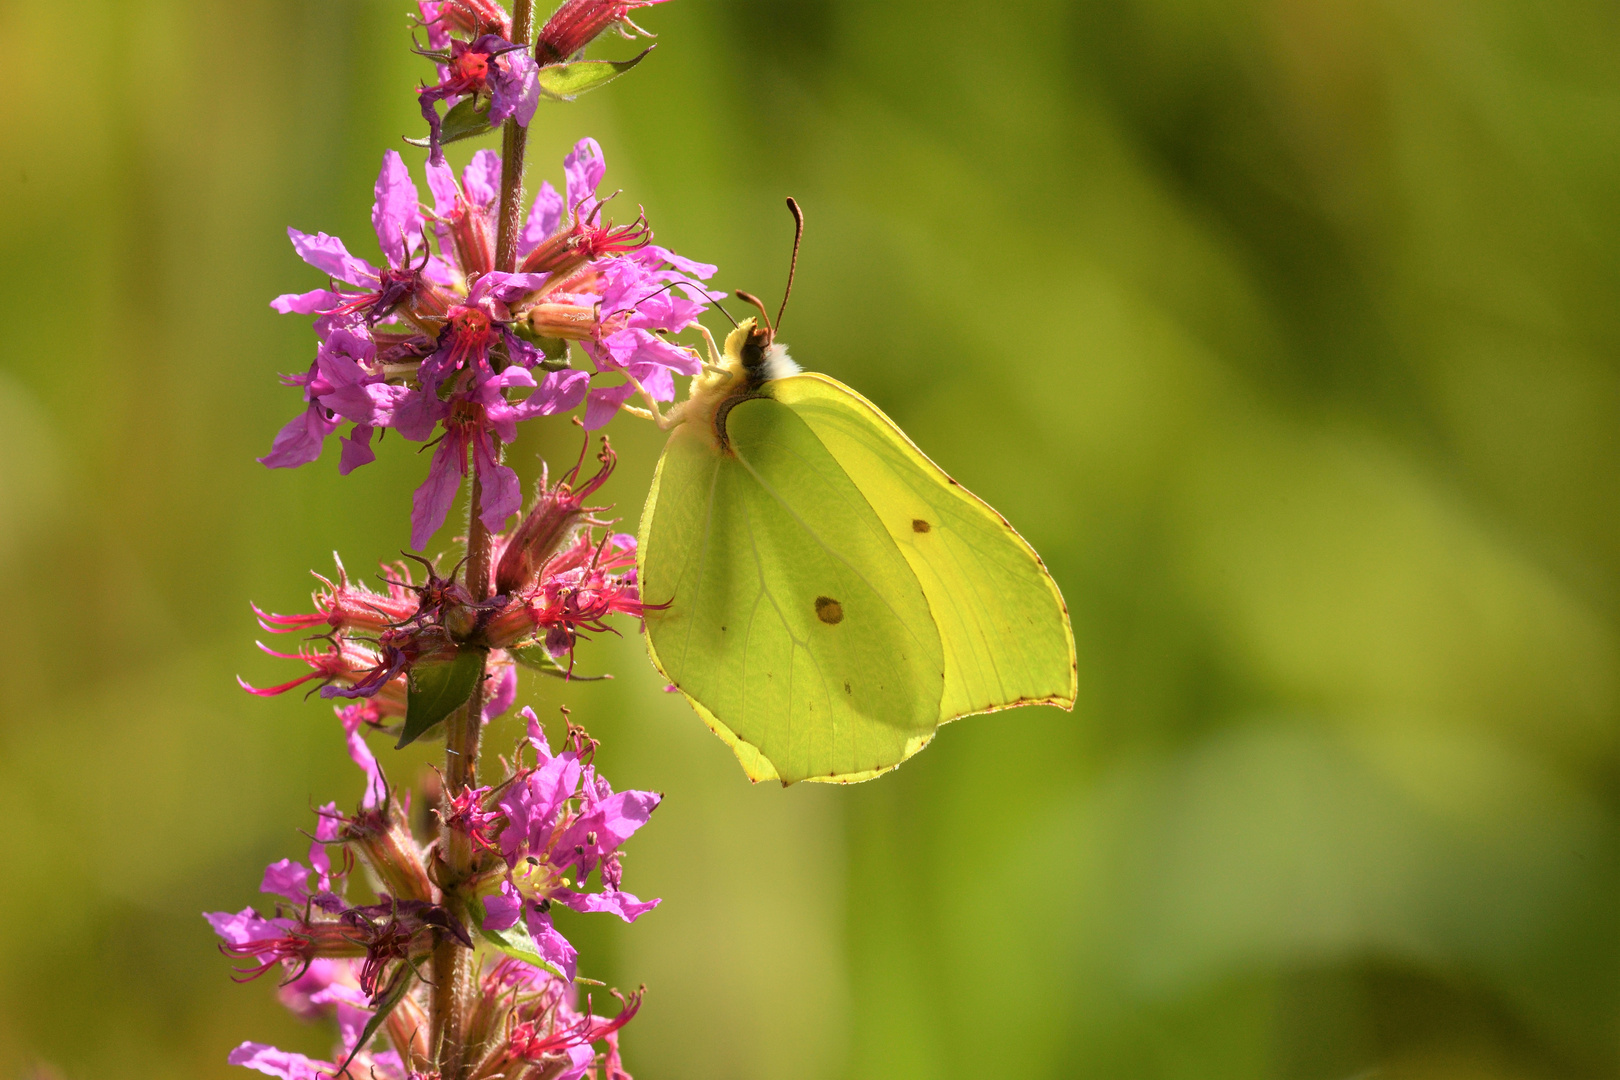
(829, 596)
(751, 359)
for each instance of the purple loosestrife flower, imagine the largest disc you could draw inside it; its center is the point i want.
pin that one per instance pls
(546, 1034)
(557, 580)
(562, 817)
(612, 290)
(637, 308)
(471, 357)
(349, 606)
(581, 587)
(293, 942)
(565, 1035)
(409, 283)
(347, 379)
(310, 926)
(489, 66)
(374, 640)
(558, 817)
(472, 418)
(343, 383)
(464, 213)
(555, 521)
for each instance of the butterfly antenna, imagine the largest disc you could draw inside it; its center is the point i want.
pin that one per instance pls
(691, 285)
(750, 298)
(798, 235)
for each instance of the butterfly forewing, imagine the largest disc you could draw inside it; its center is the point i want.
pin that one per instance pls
(793, 618)
(1001, 619)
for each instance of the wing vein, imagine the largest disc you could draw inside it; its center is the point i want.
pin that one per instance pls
(816, 536)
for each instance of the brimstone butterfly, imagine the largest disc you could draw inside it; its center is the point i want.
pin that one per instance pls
(829, 596)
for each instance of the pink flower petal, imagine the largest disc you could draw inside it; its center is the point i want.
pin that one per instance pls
(502, 694)
(356, 449)
(552, 945)
(584, 168)
(544, 218)
(442, 182)
(299, 442)
(481, 179)
(286, 878)
(327, 254)
(395, 214)
(502, 492)
(272, 1062)
(603, 405)
(310, 303)
(502, 910)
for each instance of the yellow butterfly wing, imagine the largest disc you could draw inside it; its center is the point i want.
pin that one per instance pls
(1001, 618)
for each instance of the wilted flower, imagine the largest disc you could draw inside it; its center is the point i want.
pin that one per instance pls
(467, 17)
(489, 66)
(373, 641)
(559, 511)
(579, 22)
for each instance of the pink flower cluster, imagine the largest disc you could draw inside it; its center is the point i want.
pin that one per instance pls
(500, 80)
(346, 959)
(563, 817)
(437, 340)
(441, 958)
(558, 579)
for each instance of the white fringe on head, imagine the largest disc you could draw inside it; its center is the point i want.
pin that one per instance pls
(778, 364)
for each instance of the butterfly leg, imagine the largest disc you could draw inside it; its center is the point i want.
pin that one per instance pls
(713, 367)
(651, 412)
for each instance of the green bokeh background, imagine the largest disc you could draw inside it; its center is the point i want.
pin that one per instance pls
(1285, 329)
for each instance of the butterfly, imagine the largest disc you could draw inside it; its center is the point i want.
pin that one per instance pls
(822, 593)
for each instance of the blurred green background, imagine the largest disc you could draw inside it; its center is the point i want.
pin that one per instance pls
(1285, 329)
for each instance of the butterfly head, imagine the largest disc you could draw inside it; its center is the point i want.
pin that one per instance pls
(753, 344)
(752, 359)
(752, 351)
(754, 338)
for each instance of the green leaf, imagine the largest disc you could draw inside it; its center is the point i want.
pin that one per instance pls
(515, 942)
(469, 117)
(437, 690)
(565, 82)
(392, 995)
(535, 658)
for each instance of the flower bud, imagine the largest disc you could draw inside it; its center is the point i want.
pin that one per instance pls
(318, 938)
(468, 16)
(564, 254)
(579, 22)
(391, 852)
(571, 322)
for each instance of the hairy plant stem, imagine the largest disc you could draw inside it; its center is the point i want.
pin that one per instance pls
(455, 989)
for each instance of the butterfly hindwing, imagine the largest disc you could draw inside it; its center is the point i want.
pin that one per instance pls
(794, 623)
(1001, 619)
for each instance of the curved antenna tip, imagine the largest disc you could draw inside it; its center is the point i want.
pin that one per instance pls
(793, 266)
